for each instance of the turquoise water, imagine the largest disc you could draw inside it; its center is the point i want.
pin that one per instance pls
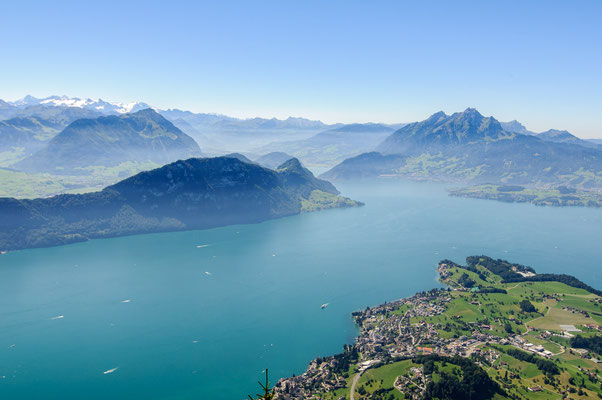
(203, 322)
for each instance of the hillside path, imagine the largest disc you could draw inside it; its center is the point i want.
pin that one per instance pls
(353, 383)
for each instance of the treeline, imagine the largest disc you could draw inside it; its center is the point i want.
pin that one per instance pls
(475, 383)
(546, 366)
(504, 268)
(593, 343)
(490, 289)
(563, 278)
(499, 267)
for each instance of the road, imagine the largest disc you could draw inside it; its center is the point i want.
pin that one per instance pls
(353, 383)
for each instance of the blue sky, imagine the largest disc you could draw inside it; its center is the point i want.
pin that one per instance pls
(339, 61)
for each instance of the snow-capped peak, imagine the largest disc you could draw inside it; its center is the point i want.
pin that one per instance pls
(90, 104)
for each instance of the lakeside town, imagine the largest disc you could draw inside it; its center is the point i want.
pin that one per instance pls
(490, 324)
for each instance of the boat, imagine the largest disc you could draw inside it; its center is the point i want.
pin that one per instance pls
(110, 371)
(323, 306)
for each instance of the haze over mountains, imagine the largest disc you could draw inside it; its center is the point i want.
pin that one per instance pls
(78, 137)
(334, 145)
(142, 136)
(30, 129)
(467, 147)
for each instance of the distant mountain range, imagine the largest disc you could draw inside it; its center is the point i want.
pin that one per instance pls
(192, 194)
(217, 133)
(222, 133)
(99, 105)
(143, 136)
(470, 148)
(32, 140)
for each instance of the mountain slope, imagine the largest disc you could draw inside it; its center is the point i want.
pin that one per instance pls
(108, 141)
(38, 124)
(469, 148)
(7, 110)
(193, 194)
(557, 136)
(365, 165)
(30, 129)
(516, 127)
(273, 160)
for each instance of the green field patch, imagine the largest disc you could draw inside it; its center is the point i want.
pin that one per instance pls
(556, 317)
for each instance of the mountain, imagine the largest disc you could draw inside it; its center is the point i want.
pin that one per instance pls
(273, 160)
(595, 141)
(144, 136)
(441, 131)
(196, 193)
(516, 127)
(334, 145)
(467, 147)
(88, 104)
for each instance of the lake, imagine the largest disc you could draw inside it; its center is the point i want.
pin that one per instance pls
(200, 314)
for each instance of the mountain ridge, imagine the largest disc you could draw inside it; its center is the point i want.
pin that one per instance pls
(467, 147)
(196, 193)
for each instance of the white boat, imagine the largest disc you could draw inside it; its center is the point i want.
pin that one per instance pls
(110, 371)
(323, 306)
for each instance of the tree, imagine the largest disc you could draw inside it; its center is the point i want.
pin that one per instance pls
(526, 306)
(268, 392)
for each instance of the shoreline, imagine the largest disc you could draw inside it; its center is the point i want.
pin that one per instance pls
(409, 329)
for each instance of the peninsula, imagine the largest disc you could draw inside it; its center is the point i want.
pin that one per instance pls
(497, 331)
(557, 196)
